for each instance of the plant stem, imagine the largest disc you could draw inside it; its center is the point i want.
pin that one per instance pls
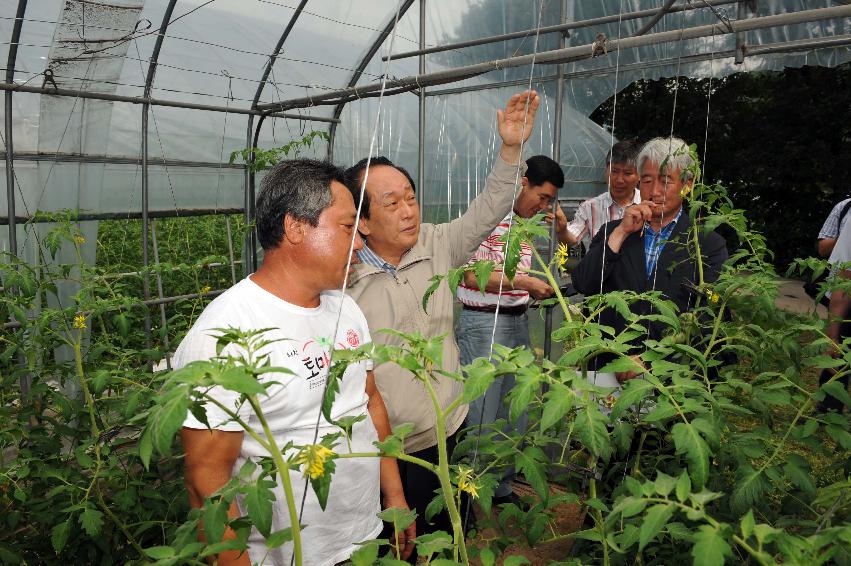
(284, 473)
(443, 475)
(553, 283)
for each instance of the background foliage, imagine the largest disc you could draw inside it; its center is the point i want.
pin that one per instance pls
(779, 142)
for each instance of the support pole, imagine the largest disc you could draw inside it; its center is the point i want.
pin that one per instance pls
(25, 381)
(422, 109)
(744, 9)
(149, 81)
(10, 163)
(559, 113)
(163, 321)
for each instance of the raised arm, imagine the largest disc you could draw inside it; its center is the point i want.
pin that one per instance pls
(515, 124)
(209, 461)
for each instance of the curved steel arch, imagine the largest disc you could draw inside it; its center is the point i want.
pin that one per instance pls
(10, 165)
(251, 137)
(356, 75)
(149, 80)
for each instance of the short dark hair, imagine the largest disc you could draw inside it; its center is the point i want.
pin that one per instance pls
(355, 173)
(298, 187)
(625, 151)
(542, 169)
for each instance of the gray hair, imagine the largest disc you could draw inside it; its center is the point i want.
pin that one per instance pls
(298, 187)
(674, 152)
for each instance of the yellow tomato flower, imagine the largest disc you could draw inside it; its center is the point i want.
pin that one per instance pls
(714, 297)
(79, 239)
(685, 191)
(313, 457)
(561, 255)
(206, 289)
(466, 483)
(80, 321)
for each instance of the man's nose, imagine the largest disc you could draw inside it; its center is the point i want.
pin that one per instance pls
(407, 209)
(358, 241)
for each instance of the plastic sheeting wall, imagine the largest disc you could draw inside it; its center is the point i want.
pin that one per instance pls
(216, 55)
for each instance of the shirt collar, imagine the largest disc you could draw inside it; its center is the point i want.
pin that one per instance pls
(609, 201)
(369, 257)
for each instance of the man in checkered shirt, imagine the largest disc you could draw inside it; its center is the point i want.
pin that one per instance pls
(622, 182)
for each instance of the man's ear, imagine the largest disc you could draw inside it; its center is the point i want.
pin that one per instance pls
(524, 182)
(294, 230)
(363, 227)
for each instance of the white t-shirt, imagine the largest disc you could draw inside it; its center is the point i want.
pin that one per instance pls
(291, 410)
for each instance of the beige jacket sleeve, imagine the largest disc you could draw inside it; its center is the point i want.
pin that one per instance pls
(463, 235)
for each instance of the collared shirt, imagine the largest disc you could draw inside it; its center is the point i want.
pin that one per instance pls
(832, 227)
(596, 211)
(494, 250)
(369, 257)
(654, 242)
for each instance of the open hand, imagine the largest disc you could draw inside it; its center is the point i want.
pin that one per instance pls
(516, 122)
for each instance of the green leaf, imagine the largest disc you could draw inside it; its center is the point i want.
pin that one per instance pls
(751, 485)
(683, 488)
(92, 521)
(654, 521)
(431, 543)
(215, 519)
(487, 556)
(747, 524)
(630, 506)
(512, 239)
(557, 402)
(838, 390)
(322, 485)
(664, 484)
(239, 379)
(435, 283)
(278, 538)
(590, 425)
(797, 469)
(258, 501)
(515, 561)
(533, 470)
(483, 270)
(400, 518)
(634, 391)
(59, 535)
(366, 554)
(160, 552)
(479, 376)
(689, 442)
(709, 548)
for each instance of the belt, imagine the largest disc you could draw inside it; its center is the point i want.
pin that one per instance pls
(515, 310)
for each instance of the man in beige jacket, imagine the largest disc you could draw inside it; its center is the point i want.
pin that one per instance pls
(397, 261)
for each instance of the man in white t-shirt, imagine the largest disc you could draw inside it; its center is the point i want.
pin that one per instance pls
(305, 223)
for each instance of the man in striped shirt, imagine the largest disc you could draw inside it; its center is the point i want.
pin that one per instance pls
(540, 186)
(622, 182)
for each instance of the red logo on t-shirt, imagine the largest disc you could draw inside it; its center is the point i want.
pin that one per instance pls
(352, 338)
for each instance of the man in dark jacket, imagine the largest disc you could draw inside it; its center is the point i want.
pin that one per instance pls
(649, 249)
